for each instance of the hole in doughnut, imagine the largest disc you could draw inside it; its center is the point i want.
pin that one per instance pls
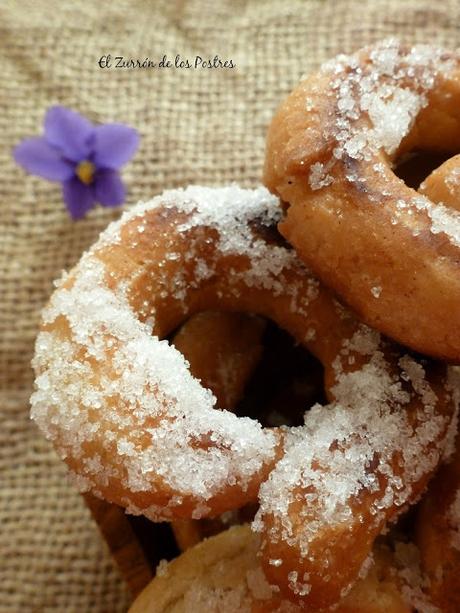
(270, 234)
(415, 166)
(156, 539)
(286, 383)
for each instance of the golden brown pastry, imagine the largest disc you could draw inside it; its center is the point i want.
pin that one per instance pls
(387, 250)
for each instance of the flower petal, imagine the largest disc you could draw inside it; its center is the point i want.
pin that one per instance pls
(114, 145)
(70, 132)
(109, 189)
(39, 158)
(78, 197)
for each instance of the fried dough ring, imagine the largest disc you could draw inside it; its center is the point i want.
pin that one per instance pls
(125, 413)
(223, 575)
(120, 405)
(389, 252)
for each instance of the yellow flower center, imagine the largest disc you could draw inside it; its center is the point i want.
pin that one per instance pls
(85, 172)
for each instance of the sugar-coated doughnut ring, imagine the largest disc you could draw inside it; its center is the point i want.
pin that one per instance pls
(124, 411)
(121, 405)
(223, 575)
(388, 251)
(223, 350)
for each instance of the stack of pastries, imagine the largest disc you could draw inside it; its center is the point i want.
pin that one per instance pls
(357, 508)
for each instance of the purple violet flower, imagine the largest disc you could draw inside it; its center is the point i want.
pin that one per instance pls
(83, 157)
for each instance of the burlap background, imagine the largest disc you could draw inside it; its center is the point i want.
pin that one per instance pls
(197, 126)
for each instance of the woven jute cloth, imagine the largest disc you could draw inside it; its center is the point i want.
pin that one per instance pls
(197, 126)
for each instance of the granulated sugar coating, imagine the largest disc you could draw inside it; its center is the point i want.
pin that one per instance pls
(377, 103)
(388, 92)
